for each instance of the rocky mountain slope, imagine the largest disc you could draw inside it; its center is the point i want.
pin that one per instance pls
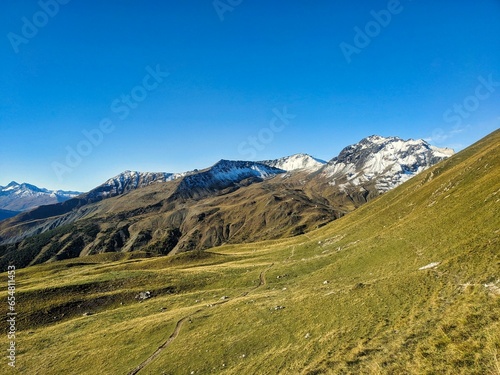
(128, 181)
(223, 175)
(230, 202)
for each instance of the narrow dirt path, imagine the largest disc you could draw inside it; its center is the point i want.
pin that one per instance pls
(262, 276)
(163, 346)
(173, 336)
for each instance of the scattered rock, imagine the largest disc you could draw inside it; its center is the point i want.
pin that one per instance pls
(88, 313)
(493, 288)
(143, 295)
(278, 307)
(325, 282)
(307, 335)
(359, 286)
(224, 298)
(163, 309)
(430, 265)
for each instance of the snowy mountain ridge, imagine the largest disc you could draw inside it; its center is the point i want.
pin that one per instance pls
(296, 162)
(131, 180)
(24, 196)
(223, 174)
(385, 161)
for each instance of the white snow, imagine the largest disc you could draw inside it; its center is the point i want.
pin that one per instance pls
(442, 151)
(393, 162)
(296, 162)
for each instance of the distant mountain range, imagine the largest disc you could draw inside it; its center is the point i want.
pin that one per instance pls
(21, 197)
(232, 201)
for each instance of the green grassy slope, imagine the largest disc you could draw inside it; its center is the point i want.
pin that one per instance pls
(348, 298)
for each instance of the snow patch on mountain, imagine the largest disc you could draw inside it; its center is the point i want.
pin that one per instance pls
(226, 173)
(296, 162)
(385, 161)
(130, 180)
(22, 197)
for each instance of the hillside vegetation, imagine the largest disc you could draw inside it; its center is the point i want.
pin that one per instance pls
(352, 297)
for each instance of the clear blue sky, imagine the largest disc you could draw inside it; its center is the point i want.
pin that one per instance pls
(227, 78)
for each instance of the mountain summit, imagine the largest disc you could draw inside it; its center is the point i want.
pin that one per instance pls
(296, 162)
(127, 181)
(384, 162)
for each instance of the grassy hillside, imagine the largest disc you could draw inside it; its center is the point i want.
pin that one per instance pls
(348, 298)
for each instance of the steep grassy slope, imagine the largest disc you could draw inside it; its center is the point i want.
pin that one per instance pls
(348, 298)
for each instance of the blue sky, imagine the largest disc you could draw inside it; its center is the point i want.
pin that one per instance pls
(252, 80)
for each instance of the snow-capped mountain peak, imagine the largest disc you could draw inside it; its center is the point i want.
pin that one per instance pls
(24, 196)
(235, 170)
(296, 162)
(385, 161)
(127, 181)
(223, 174)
